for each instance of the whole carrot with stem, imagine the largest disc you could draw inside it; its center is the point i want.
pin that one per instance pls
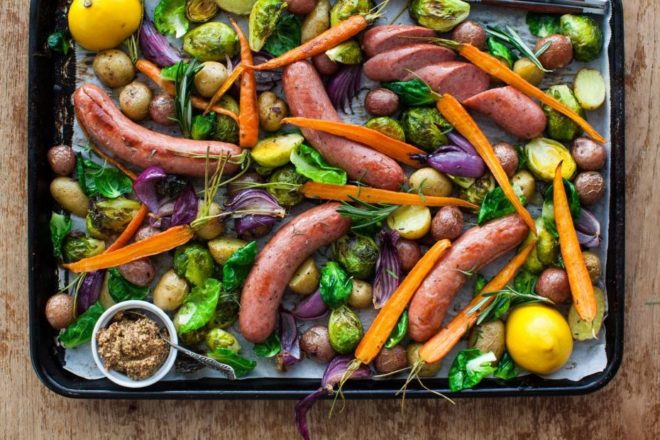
(248, 116)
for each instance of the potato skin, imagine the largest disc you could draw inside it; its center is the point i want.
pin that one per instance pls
(114, 68)
(427, 370)
(558, 55)
(590, 187)
(431, 182)
(161, 110)
(553, 284)
(588, 154)
(222, 248)
(470, 32)
(409, 253)
(210, 78)
(447, 223)
(592, 261)
(140, 272)
(300, 7)
(488, 337)
(325, 65)
(315, 343)
(391, 359)
(524, 180)
(59, 310)
(381, 102)
(134, 100)
(272, 110)
(213, 227)
(170, 291)
(508, 157)
(69, 195)
(306, 279)
(62, 159)
(529, 71)
(361, 296)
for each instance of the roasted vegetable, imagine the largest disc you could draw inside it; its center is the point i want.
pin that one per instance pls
(77, 248)
(170, 291)
(589, 88)
(488, 337)
(69, 195)
(226, 312)
(306, 278)
(209, 79)
(411, 222)
(543, 156)
(193, 262)
(274, 151)
(286, 193)
(430, 182)
(583, 330)
(344, 9)
(388, 126)
(201, 11)
(311, 164)
(559, 126)
(170, 18)
(439, 15)
(586, 36)
(219, 338)
(211, 42)
(358, 255)
(335, 285)
(238, 7)
(469, 367)
(226, 128)
(476, 192)
(425, 127)
(317, 21)
(344, 330)
(198, 307)
(272, 109)
(107, 217)
(263, 20)
(347, 52)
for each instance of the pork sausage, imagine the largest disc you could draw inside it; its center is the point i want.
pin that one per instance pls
(307, 98)
(462, 80)
(474, 249)
(108, 128)
(378, 39)
(278, 261)
(396, 64)
(512, 110)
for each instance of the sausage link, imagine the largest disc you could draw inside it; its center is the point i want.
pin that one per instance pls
(462, 80)
(378, 39)
(396, 64)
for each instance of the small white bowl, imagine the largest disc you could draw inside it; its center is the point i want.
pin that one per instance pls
(152, 312)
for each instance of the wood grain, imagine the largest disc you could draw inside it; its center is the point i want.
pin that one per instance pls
(628, 408)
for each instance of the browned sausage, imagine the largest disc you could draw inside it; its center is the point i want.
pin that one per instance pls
(396, 64)
(307, 98)
(381, 38)
(512, 110)
(108, 128)
(474, 249)
(277, 262)
(462, 80)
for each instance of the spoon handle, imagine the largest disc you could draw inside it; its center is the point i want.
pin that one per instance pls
(207, 361)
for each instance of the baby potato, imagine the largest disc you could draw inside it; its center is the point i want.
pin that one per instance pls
(170, 291)
(590, 187)
(223, 247)
(430, 182)
(427, 370)
(59, 310)
(62, 159)
(213, 227)
(162, 110)
(300, 7)
(316, 22)
(210, 78)
(583, 330)
(592, 261)
(409, 253)
(69, 195)
(135, 99)
(524, 180)
(487, 337)
(558, 55)
(447, 223)
(507, 156)
(553, 284)
(114, 68)
(272, 110)
(361, 296)
(139, 272)
(315, 344)
(411, 222)
(529, 71)
(391, 359)
(306, 279)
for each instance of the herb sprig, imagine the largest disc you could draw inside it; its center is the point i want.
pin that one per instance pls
(364, 215)
(185, 75)
(510, 36)
(503, 301)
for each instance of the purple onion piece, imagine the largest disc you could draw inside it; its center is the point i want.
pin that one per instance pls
(89, 291)
(588, 229)
(266, 79)
(155, 46)
(344, 86)
(145, 187)
(388, 269)
(185, 207)
(311, 308)
(289, 341)
(451, 159)
(462, 143)
(256, 200)
(249, 223)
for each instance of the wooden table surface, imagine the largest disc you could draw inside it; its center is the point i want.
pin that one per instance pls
(628, 408)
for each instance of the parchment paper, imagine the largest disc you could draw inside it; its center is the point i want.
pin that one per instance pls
(587, 358)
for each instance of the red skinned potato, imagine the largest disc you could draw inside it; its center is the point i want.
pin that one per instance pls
(162, 111)
(62, 159)
(381, 102)
(324, 65)
(470, 32)
(139, 272)
(315, 343)
(507, 156)
(553, 284)
(447, 223)
(589, 155)
(409, 253)
(59, 310)
(300, 7)
(558, 55)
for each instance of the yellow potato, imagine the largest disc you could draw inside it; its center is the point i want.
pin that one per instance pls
(430, 182)
(213, 227)
(170, 291)
(411, 222)
(361, 296)
(210, 78)
(69, 195)
(222, 248)
(306, 279)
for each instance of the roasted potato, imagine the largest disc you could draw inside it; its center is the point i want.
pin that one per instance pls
(162, 111)
(558, 55)
(592, 261)
(524, 180)
(306, 278)
(488, 337)
(447, 223)
(553, 284)
(427, 370)
(223, 247)
(381, 102)
(62, 159)
(588, 154)
(411, 222)
(69, 195)
(272, 110)
(59, 310)
(409, 253)
(590, 187)
(391, 359)
(361, 296)
(507, 156)
(470, 32)
(210, 78)
(135, 100)
(315, 343)
(430, 182)
(139, 272)
(170, 291)
(114, 68)
(214, 226)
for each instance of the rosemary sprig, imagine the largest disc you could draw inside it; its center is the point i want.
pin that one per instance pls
(132, 46)
(365, 214)
(510, 36)
(503, 301)
(185, 74)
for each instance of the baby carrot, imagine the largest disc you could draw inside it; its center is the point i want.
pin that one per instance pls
(130, 229)
(248, 116)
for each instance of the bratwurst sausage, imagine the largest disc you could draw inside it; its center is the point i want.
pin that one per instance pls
(396, 64)
(108, 128)
(462, 80)
(474, 249)
(307, 98)
(378, 39)
(277, 262)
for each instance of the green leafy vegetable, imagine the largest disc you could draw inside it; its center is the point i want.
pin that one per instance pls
(76, 247)
(412, 93)
(506, 368)
(285, 37)
(399, 332)
(270, 347)
(548, 212)
(242, 366)
(122, 290)
(80, 331)
(310, 163)
(496, 205)
(499, 50)
(335, 285)
(170, 17)
(169, 73)
(522, 157)
(238, 266)
(59, 42)
(542, 25)
(198, 307)
(60, 226)
(185, 76)
(194, 262)
(469, 367)
(203, 126)
(97, 180)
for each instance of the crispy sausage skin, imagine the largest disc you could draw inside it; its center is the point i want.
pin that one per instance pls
(108, 128)
(306, 97)
(396, 64)
(378, 39)
(512, 110)
(474, 249)
(462, 80)
(277, 262)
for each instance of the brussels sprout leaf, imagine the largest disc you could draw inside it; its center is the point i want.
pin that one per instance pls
(525, 282)
(169, 73)
(122, 290)
(412, 93)
(242, 366)
(310, 163)
(96, 180)
(170, 17)
(238, 266)
(80, 331)
(198, 307)
(542, 25)
(496, 205)
(479, 283)
(285, 37)
(203, 126)
(499, 50)
(270, 347)
(60, 226)
(469, 367)
(335, 285)
(506, 368)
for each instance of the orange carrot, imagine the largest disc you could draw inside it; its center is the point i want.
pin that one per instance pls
(380, 142)
(130, 229)
(582, 290)
(457, 116)
(347, 193)
(152, 71)
(248, 116)
(233, 76)
(436, 348)
(154, 245)
(499, 70)
(389, 315)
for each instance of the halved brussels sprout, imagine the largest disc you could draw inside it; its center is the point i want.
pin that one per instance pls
(77, 248)
(238, 7)
(344, 330)
(478, 190)
(388, 126)
(219, 338)
(425, 127)
(275, 151)
(543, 156)
(586, 36)
(439, 15)
(358, 255)
(532, 264)
(559, 126)
(286, 194)
(211, 42)
(547, 247)
(107, 217)
(263, 20)
(201, 11)
(344, 9)
(347, 52)
(226, 128)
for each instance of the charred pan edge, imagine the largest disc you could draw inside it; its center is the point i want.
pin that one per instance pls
(50, 87)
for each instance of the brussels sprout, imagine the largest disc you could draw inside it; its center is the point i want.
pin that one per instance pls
(286, 194)
(425, 127)
(477, 191)
(347, 52)
(585, 35)
(344, 330)
(388, 126)
(543, 156)
(238, 7)
(439, 15)
(106, 217)
(226, 129)
(193, 262)
(358, 254)
(344, 9)
(202, 126)
(193, 338)
(201, 11)
(211, 42)
(532, 264)
(559, 126)
(218, 338)
(226, 313)
(547, 248)
(77, 248)
(263, 20)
